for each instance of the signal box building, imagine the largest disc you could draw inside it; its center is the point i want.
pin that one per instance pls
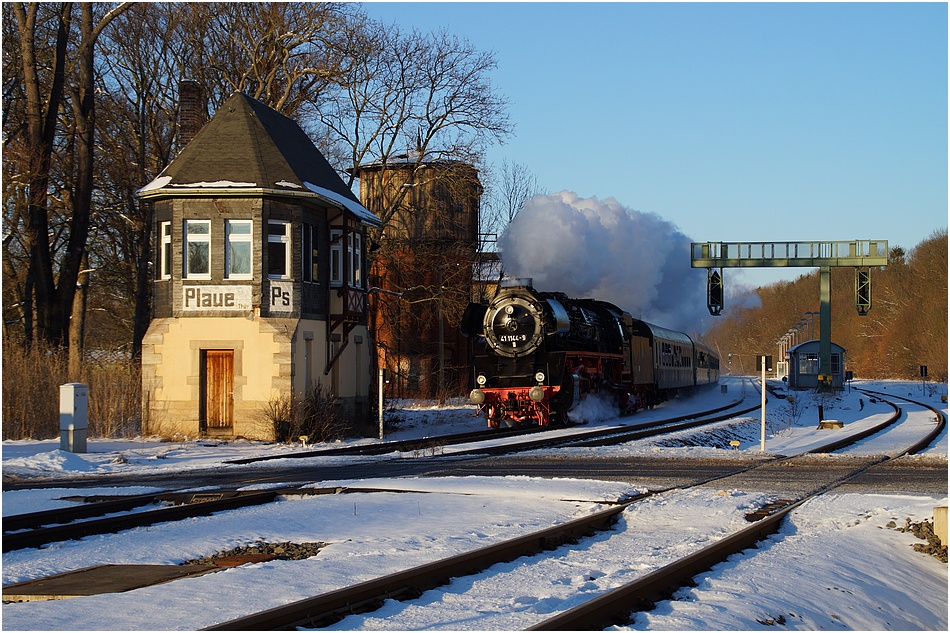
(803, 365)
(259, 279)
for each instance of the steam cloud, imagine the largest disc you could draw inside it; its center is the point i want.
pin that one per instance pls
(591, 248)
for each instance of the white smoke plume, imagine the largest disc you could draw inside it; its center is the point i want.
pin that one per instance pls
(598, 249)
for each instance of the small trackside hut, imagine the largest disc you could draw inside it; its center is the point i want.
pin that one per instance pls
(803, 366)
(259, 279)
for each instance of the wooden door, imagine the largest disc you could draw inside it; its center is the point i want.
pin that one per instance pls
(219, 388)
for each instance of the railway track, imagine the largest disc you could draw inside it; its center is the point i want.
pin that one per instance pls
(36, 529)
(395, 446)
(41, 528)
(441, 571)
(330, 607)
(939, 416)
(615, 607)
(612, 607)
(620, 433)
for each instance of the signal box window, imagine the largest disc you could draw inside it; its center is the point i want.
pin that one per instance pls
(238, 264)
(166, 256)
(310, 253)
(355, 259)
(336, 257)
(278, 250)
(197, 249)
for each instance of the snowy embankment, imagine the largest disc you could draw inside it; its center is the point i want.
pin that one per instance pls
(835, 564)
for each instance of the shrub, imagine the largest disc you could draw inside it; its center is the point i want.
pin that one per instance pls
(314, 414)
(31, 381)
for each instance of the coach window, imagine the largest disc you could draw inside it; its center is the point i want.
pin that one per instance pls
(278, 250)
(197, 263)
(238, 253)
(166, 257)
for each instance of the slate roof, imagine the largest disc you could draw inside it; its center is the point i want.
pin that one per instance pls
(249, 146)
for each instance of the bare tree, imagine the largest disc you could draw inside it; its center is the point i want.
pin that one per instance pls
(43, 39)
(284, 54)
(507, 191)
(140, 66)
(68, 80)
(516, 185)
(425, 96)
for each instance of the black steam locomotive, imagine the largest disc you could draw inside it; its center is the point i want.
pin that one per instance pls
(536, 355)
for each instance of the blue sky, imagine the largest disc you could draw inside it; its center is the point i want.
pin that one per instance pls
(734, 122)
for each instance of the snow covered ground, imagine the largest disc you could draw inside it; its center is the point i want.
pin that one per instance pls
(841, 566)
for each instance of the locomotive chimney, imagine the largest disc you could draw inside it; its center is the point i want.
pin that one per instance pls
(192, 110)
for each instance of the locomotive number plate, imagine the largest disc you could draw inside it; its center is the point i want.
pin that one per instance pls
(513, 338)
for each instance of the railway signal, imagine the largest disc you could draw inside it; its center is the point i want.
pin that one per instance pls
(860, 254)
(714, 291)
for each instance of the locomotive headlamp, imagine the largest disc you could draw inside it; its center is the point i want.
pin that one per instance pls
(477, 396)
(481, 380)
(536, 393)
(539, 376)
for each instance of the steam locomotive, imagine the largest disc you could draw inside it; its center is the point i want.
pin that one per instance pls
(536, 355)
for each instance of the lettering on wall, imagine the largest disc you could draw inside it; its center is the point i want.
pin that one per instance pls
(281, 296)
(216, 298)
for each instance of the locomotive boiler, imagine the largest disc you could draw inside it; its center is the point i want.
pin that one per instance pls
(536, 355)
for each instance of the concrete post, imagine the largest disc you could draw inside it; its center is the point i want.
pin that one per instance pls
(73, 417)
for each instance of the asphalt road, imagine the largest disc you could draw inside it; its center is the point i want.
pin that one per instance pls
(908, 475)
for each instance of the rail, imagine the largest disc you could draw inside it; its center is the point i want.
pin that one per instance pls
(331, 606)
(614, 607)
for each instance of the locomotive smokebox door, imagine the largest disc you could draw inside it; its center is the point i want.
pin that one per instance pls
(514, 325)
